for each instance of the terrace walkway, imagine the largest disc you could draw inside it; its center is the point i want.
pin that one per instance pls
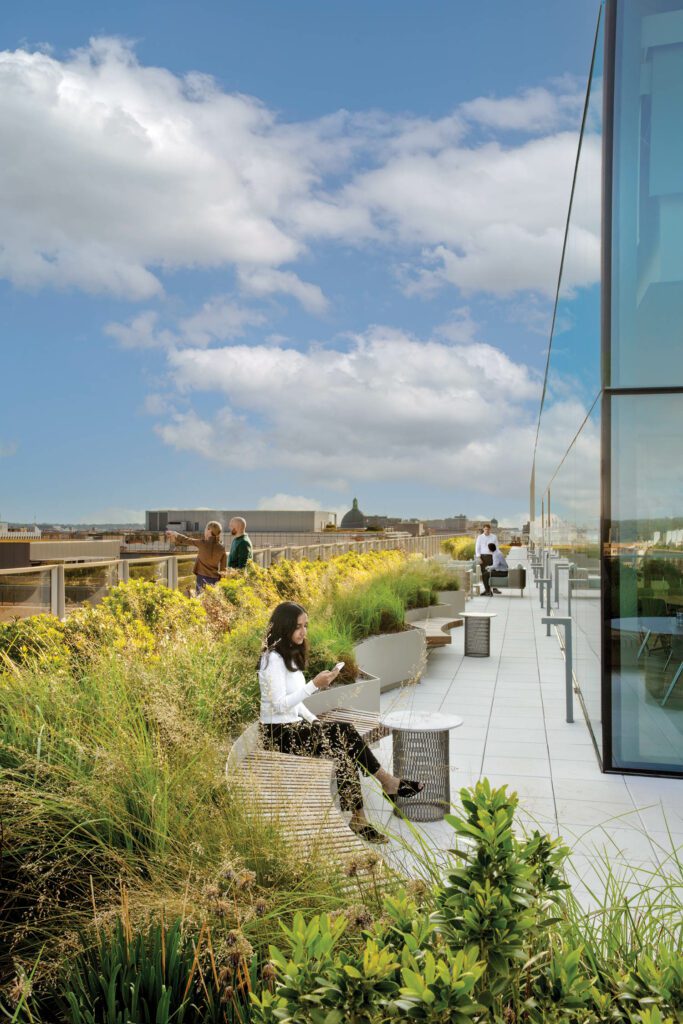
(515, 732)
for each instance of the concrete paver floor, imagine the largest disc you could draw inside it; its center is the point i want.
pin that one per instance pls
(514, 732)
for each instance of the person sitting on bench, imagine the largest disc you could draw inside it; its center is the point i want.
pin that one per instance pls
(287, 725)
(499, 567)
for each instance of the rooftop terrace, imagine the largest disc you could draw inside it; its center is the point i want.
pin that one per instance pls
(514, 732)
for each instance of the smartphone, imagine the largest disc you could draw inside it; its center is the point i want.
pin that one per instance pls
(339, 666)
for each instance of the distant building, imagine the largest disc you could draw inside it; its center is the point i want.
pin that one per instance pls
(451, 524)
(354, 518)
(258, 520)
(19, 554)
(8, 532)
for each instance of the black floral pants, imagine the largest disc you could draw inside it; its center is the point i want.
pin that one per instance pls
(339, 741)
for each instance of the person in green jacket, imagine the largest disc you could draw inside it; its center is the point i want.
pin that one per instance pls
(241, 550)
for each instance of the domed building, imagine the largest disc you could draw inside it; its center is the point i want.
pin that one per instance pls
(354, 518)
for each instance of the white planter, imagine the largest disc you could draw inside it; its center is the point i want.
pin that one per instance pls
(454, 600)
(395, 658)
(432, 611)
(363, 695)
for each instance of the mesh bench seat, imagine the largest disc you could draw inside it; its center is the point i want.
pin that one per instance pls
(298, 794)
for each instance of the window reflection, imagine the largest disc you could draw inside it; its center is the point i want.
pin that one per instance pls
(647, 212)
(645, 606)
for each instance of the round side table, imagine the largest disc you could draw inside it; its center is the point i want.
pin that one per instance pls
(421, 751)
(477, 633)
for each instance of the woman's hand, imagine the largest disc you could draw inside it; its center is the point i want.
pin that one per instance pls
(324, 679)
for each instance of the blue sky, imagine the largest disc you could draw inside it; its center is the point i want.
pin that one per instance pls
(280, 254)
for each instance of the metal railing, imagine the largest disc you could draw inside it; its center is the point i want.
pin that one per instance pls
(59, 589)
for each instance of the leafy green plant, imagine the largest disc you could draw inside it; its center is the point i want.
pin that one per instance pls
(161, 975)
(498, 901)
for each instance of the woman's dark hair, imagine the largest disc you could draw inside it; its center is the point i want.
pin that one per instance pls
(283, 622)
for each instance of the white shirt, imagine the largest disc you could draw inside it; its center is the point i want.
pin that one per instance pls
(482, 546)
(282, 692)
(498, 560)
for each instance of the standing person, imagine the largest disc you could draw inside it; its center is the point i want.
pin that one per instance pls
(499, 567)
(289, 727)
(241, 550)
(481, 551)
(211, 555)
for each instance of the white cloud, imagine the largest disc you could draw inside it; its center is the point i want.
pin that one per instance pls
(219, 319)
(281, 502)
(7, 449)
(120, 170)
(121, 173)
(385, 407)
(490, 218)
(533, 110)
(267, 281)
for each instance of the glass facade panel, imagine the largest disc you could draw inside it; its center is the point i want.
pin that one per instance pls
(645, 572)
(647, 207)
(608, 495)
(575, 536)
(573, 377)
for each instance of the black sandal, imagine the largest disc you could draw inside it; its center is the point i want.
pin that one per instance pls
(370, 834)
(409, 787)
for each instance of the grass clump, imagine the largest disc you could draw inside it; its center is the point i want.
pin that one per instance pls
(492, 936)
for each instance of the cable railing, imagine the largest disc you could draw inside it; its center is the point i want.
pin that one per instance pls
(61, 588)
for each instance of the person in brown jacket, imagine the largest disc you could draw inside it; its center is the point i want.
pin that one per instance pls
(211, 555)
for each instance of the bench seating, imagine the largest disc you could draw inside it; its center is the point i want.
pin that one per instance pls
(298, 793)
(437, 630)
(515, 579)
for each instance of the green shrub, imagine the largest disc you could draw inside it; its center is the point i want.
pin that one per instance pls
(499, 940)
(331, 640)
(38, 640)
(459, 548)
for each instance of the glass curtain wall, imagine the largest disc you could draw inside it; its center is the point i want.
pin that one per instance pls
(607, 489)
(566, 472)
(643, 403)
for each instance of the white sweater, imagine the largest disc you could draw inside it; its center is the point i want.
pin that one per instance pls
(482, 545)
(283, 692)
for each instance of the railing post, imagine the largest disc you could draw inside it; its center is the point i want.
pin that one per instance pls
(172, 572)
(559, 565)
(544, 584)
(57, 591)
(124, 570)
(566, 622)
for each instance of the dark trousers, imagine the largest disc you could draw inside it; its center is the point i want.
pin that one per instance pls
(488, 574)
(206, 581)
(338, 741)
(485, 562)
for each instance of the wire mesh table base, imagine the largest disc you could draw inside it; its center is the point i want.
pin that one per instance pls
(425, 756)
(477, 637)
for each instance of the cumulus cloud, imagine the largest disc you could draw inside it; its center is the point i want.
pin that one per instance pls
(219, 319)
(268, 281)
(386, 406)
(118, 170)
(489, 218)
(533, 110)
(121, 173)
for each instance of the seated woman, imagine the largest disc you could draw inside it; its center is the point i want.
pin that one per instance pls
(290, 728)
